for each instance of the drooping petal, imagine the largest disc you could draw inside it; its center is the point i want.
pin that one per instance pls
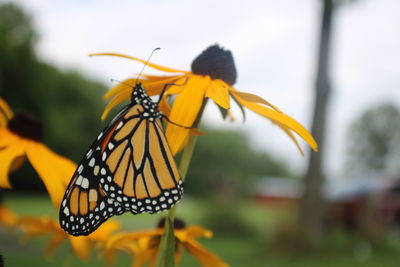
(206, 257)
(155, 66)
(291, 136)
(185, 110)
(254, 98)
(280, 119)
(8, 155)
(218, 91)
(54, 170)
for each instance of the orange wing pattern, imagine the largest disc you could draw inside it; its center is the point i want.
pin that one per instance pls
(128, 168)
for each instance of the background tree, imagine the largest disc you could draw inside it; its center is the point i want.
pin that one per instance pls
(68, 104)
(374, 140)
(312, 205)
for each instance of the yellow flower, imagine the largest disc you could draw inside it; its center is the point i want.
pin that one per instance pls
(213, 75)
(144, 245)
(20, 137)
(32, 227)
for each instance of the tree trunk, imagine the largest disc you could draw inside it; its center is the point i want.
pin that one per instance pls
(312, 204)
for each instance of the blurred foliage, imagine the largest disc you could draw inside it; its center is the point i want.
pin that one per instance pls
(68, 104)
(374, 140)
(225, 163)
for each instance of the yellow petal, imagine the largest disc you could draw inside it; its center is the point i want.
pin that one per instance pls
(7, 156)
(291, 136)
(7, 217)
(54, 170)
(3, 121)
(124, 86)
(153, 87)
(164, 106)
(144, 257)
(118, 99)
(105, 230)
(5, 113)
(185, 109)
(7, 138)
(155, 66)
(119, 238)
(254, 98)
(81, 246)
(280, 119)
(207, 258)
(218, 92)
(192, 232)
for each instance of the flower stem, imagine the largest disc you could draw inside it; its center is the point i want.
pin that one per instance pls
(167, 244)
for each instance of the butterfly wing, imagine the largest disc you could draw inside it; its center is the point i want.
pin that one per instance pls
(139, 168)
(85, 205)
(129, 167)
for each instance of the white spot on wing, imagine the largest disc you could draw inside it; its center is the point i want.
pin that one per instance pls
(79, 180)
(66, 211)
(91, 162)
(80, 169)
(85, 183)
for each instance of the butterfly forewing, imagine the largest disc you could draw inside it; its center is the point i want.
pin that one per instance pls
(128, 168)
(141, 173)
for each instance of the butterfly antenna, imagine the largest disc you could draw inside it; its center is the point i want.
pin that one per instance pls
(147, 61)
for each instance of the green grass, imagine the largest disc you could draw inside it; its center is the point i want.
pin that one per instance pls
(253, 250)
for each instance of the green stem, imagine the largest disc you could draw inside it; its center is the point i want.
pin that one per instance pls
(167, 243)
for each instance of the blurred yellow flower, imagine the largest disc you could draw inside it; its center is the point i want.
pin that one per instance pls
(143, 245)
(20, 137)
(33, 227)
(212, 76)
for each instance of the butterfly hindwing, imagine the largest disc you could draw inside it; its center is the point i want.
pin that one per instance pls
(85, 206)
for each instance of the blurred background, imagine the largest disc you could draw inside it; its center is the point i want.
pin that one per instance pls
(330, 64)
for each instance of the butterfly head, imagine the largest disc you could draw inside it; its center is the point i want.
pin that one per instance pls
(139, 96)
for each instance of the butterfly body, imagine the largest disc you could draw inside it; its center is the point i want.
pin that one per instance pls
(129, 167)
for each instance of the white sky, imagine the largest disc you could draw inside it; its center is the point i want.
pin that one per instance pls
(274, 45)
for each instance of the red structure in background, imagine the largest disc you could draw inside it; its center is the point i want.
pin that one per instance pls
(375, 199)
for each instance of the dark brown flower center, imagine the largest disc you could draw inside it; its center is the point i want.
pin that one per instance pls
(26, 126)
(178, 224)
(217, 63)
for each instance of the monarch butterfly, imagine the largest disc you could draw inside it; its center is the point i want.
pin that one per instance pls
(129, 167)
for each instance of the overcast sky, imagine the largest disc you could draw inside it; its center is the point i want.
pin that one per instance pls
(274, 45)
